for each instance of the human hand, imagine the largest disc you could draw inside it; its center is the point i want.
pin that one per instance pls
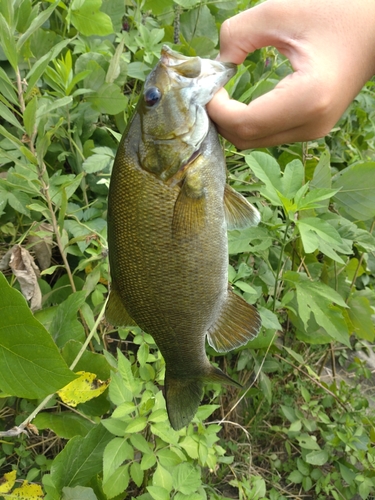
(331, 47)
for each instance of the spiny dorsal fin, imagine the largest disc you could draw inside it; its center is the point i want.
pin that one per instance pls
(115, 312)
(238, 323)
(239, 213)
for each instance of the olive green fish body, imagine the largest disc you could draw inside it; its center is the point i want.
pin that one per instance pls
(167, 223)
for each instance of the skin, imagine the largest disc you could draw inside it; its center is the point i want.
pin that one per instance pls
(331, 46)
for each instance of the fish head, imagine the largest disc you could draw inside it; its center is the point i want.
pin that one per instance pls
(174, 121)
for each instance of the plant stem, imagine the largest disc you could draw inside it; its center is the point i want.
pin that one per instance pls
(279, 264)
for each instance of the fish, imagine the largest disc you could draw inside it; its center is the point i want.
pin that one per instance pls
(169, 208)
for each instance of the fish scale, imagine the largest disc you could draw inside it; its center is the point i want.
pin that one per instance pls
(167, 220)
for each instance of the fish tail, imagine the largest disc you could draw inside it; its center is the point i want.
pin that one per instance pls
(183, 395)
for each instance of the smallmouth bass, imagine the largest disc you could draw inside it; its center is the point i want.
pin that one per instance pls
(169, 208)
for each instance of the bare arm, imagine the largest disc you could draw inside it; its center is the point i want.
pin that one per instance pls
(331, 46)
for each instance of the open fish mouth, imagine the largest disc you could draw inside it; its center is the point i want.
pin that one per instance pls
(206, 76)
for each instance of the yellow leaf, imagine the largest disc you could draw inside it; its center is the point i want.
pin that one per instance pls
(27, 492)
(7, 481)
(82, 389)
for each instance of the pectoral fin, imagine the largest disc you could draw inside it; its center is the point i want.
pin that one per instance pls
(239, 213)
(238, 323)
(189, 209)
(115, 312)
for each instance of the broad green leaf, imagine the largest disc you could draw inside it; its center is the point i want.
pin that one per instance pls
(322, 173)
(162, 478)
(78, 493)
(190, 445)
(139, 442)
(118, 391)
(30, 363)
(88, 19)
(65, 425)
(158, 493)
(65, 325)
(316, 298)
(165, 432)
(169, 458)
(108, 99)
(100, 160)
(356, 197)
(266, 168)
(318, 234)
(360, 313)
(199, 22)
(136, 473)
(81, 459)
(292, 179)
(317, 457)
(308, 442)
(116, 452)
(118, 482)
(315, 198)
(186, 478)
(136, 425)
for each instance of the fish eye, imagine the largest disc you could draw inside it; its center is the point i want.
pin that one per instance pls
(152, 96)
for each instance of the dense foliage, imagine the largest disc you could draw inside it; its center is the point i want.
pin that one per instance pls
(70, 76)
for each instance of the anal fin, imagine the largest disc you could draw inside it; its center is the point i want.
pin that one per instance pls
(115, 312)
(238, 323)
(239, 213)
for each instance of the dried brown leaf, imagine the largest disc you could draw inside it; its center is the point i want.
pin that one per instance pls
(26, 272)
(41, 242)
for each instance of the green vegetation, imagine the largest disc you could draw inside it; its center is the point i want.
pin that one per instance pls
(70, 76)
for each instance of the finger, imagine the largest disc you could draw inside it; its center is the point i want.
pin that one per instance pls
(260, 26)
(296, 101)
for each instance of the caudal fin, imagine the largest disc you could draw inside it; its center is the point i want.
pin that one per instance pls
(183, 395)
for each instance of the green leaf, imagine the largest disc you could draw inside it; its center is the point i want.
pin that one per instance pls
(197, 23)
(66, 425)
(317, 298)
(139, 442)
(186, 478)
(29, 116)
(81, 459)
(78, 493)
(162, 478)
(100, 160)
(360, 314)
(356, 196)
(30, 363)
(65, 325)
(116, 452)
(322, 173)
(136, 473)
(266, 168)
(118, 482)
(295, 477)
(36, 23)
(87, 18)
(158, 493)
(292, 179)
(318, 234)
(308, 442)
(7, 41)
(108, 99)
(317, 457)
